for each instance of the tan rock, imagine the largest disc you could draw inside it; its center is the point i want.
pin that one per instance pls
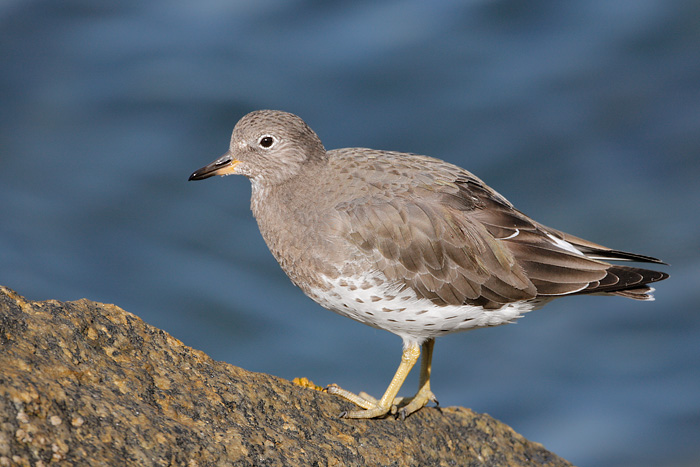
(86, 383)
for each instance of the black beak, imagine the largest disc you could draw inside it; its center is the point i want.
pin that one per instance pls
(224, 165)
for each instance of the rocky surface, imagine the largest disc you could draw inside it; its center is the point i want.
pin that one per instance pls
(85, 383)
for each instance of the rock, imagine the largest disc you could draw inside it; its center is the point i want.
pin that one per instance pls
(85, 383)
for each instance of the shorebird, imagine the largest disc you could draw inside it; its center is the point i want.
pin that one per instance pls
(408, 243)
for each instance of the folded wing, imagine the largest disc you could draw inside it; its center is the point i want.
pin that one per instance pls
(460, 243)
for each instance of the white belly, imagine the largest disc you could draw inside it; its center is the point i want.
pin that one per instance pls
(386, 306)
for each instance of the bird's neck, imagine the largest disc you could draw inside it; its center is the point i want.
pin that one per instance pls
(278, 212)
(291, 217)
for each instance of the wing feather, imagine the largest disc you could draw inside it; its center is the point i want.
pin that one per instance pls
(456, 241)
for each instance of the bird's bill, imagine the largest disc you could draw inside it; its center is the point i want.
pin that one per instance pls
(224, 165)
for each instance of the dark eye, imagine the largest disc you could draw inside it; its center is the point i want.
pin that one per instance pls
(266, 141)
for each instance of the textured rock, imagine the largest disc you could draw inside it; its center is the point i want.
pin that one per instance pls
(85, 383)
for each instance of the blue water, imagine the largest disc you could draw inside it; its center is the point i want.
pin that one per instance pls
(586, 115)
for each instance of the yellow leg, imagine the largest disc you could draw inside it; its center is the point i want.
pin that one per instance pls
(424, 394)
(379, 408)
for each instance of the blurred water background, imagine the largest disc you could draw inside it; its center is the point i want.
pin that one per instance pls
(586, 115)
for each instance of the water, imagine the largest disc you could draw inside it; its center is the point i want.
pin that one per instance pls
(585, 115)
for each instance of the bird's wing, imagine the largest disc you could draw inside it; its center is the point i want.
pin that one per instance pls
(462, 243)
(558, 263)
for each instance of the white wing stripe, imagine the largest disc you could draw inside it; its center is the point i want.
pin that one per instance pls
(564, 245)
(513, 235)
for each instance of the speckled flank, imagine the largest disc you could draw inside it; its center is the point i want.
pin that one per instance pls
(400, 311)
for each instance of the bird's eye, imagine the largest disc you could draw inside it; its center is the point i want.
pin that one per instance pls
(266, 141)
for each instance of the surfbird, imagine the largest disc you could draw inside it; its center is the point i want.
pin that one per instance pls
(407, 243)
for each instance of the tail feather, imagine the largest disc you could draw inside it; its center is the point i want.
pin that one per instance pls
(626, 282)
(641, 293)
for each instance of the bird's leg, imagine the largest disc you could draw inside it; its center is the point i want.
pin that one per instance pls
(424, 394)
(374, 408)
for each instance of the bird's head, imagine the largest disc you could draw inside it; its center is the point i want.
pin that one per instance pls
(267, 146)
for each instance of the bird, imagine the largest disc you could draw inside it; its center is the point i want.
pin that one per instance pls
(407, 243)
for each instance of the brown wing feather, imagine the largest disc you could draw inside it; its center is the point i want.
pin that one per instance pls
(442, 254)
(459, 242)
(554, 270)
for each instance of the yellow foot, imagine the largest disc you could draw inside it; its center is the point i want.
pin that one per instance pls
(389, 402)
(415, 403)
(372, 407)
(402, 407)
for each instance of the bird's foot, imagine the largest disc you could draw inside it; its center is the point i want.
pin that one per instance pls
(373, 408)
(378, 408)
(403, 407)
